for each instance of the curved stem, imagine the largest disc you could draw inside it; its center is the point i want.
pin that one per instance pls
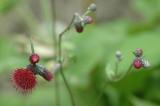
(128, 71)
(61, 62)
(105, 83)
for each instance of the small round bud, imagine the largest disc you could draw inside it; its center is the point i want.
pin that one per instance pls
(34, 58)
(87, 20)
(92, 7)
(119, 55)
(138, 52)
(79, 28)
(137, 63)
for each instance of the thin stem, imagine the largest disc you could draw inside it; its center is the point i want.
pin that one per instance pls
(61, 62)
(86, 13)
(129, 69)
(31, 44)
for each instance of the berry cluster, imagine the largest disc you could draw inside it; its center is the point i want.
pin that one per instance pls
(81, 21)
(139, 61)
(24, 79)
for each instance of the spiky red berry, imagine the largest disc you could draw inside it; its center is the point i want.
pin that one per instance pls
(23, 80)
(47, 75)
(34, 58)
(137, 63)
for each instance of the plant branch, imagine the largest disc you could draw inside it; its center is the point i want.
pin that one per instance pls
(31, 44)
(61, 62)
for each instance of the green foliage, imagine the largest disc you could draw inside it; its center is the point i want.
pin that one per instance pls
(6, 5)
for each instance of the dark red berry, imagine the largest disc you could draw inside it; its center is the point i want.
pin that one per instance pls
(79, 28)
(23, 80)
(34, 58)
(137, 63)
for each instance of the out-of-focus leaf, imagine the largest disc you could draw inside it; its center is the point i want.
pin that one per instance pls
(9, 57)
(149, 8)
(140, 102)
(6, 5)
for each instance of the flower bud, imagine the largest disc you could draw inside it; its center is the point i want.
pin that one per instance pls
(87, 20)
(79, 28)
(138, 52)
(119, 55)
(92, 7)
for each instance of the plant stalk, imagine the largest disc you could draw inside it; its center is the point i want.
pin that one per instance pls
(61, 61)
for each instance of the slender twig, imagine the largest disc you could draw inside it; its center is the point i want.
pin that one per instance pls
(129, 69)
(61, 62)
(31, 43)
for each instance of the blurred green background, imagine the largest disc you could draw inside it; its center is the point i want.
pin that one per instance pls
(119, 25)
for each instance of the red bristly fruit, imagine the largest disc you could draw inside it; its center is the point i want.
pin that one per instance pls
(34, 58)
(23, 80)
(137, 63)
